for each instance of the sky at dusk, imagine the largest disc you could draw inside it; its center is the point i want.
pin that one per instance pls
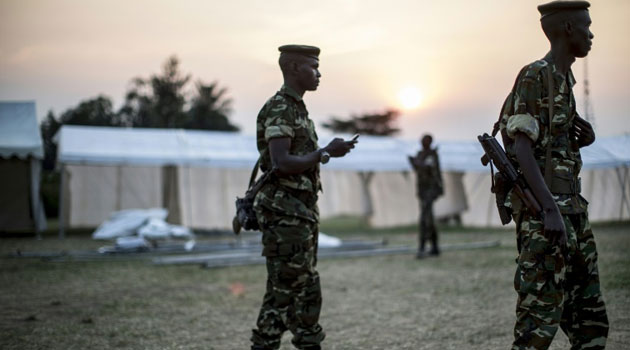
(457, 58)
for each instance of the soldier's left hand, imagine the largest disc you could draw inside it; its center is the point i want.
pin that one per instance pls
(583, 132)
(338, 147)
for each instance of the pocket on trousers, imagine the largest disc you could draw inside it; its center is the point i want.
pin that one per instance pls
(536, 279)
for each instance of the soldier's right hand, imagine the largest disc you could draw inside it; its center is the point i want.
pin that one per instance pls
(338, 147)
(583, 132)
(555, 229)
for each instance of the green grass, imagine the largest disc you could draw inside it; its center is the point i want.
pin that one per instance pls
(350, 225)
(461, 300)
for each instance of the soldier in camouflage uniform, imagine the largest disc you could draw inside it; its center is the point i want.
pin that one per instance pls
(557, 278)
(286, 206)
(429, 187)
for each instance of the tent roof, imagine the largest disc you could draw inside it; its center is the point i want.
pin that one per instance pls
(19, 131)
(143, 146)
(109, 145)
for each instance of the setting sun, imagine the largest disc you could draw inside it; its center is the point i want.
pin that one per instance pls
(410, 97)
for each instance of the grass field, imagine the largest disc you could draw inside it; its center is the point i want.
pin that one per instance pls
(461, 300)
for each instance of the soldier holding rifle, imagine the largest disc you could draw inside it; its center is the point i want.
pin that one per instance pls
(557, 277)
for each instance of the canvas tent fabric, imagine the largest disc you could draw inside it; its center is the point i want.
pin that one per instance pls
(605, 179)
(197, 175)
(194, 148)
(19, 131)
(21, 153)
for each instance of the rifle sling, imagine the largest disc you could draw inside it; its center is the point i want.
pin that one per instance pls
(254, 173)
(252, 178)
(550, 103)
(548, 174)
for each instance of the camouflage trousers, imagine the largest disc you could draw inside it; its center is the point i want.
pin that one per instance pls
(427, 226)
(558, 287)
(292, 300)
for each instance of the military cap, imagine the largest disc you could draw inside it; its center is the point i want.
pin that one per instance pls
(309, 51)
(557, 6)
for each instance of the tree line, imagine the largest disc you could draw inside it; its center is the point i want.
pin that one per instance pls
(159, 101)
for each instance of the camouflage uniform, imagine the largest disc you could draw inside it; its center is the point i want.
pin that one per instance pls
(556, 286)
(429, 188)
(286, 208)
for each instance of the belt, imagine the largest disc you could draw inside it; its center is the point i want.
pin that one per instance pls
(281, 249)
(565, 186)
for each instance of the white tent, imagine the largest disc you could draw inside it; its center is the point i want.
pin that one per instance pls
(21, 153)
(198, 174)
(605, 184)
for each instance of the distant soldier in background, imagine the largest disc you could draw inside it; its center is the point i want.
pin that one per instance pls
(286, 206)
(557, 278)
(429, 187)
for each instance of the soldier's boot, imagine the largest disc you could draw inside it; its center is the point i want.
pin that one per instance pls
(435, 250)
(423, 240)
(421, 254)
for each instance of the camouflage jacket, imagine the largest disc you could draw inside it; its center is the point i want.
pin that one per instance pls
(285, 115)
(528, 112)
(428, 174)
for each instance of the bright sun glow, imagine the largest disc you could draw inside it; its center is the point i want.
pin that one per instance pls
(410, 97)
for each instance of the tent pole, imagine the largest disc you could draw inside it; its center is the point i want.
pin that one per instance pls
(622, 182)
(35, 208)
(62, 209)
(623, 193)
(368, 207)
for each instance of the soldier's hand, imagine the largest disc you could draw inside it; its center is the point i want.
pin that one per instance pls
(554, 228)
(338, 147)
(583, 132)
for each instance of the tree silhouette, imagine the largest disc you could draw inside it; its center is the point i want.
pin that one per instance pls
(209, 109)
(381, 124)
(48, 129)
(160, 101)
(157, 102)
(96, 111)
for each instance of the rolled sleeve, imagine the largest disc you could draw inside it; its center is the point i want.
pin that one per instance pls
(280, 120)
(275, 131)
(524, 123)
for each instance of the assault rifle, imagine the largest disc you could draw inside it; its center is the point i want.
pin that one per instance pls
(505, 179)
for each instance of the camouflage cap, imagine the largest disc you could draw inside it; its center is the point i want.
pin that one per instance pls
(306, 50)
(559, 5)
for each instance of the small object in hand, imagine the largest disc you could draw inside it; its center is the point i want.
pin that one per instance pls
(355, 138)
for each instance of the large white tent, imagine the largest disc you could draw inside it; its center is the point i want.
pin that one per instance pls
(604, 178)
(198, 174)
(21, 154)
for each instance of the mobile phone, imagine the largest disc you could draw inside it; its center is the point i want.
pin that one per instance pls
(355, 137)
